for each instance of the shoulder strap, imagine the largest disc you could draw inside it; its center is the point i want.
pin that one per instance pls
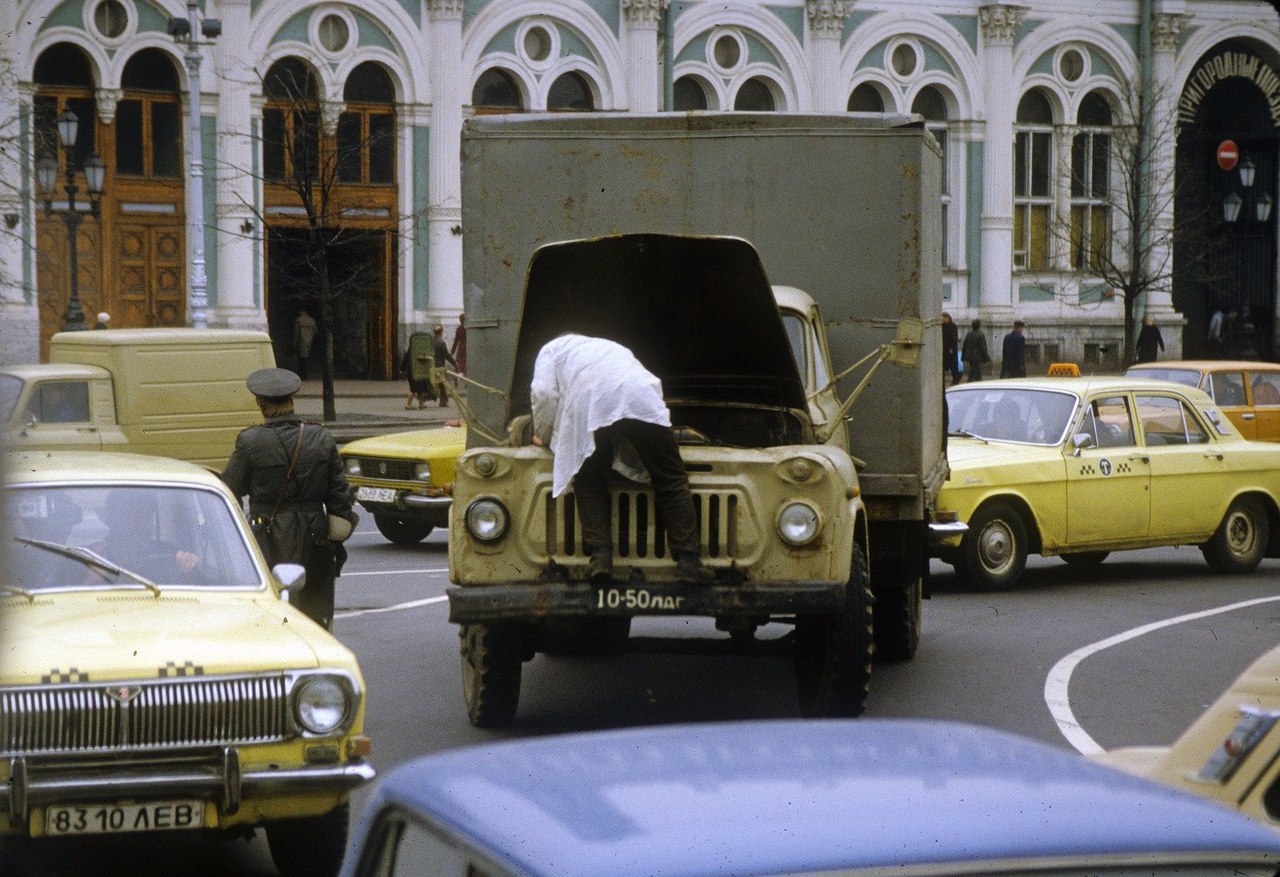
(297, 448)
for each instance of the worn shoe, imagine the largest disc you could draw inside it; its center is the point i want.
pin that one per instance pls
(600, 568)
(690, 570)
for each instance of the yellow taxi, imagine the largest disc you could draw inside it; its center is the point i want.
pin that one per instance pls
(1230, 753)
(154, 676)
(1248, 392)
(405, 479)
(1081, 467)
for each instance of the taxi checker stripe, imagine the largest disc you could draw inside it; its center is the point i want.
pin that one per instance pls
(58, 676)
(188, 668)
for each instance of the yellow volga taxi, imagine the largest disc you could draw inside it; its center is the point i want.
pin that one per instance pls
(405, 479)
(1081, 467)
(1248, 392)
(153, 674)
(1231, 753)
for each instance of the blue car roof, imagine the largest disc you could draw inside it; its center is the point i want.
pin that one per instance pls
(767, 797)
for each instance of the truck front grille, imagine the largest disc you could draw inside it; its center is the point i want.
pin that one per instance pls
(172, 712)
(388, 470)
(636, 531)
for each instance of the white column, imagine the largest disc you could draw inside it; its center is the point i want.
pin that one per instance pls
(1059, 230)
(19, 317)
(641, 19)
(444, 211)
(1165, 29)
(826, 26)
(999, 23)
(239, 298)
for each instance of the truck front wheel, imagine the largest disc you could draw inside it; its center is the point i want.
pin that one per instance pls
(402, 531)
(898, 609)
(833, 652)
(491, 663)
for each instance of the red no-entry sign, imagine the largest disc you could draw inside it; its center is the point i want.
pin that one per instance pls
(1228, 154)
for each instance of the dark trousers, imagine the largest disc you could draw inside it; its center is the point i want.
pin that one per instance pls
(973, 370)
(661, 456)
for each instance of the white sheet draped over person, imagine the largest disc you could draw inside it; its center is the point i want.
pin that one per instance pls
(589, 396)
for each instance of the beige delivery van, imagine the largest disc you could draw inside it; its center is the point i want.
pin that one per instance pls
(170, 392)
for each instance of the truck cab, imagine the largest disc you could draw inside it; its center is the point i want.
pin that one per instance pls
(781, 518)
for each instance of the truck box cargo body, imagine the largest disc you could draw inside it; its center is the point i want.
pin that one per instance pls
(763, 267)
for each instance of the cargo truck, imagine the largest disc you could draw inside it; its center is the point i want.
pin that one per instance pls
(781, 275)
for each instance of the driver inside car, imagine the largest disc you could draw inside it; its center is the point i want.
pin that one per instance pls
(131, 515)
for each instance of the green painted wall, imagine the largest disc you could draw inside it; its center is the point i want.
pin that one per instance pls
(421, 196)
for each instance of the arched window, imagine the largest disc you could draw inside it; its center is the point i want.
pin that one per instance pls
(367, 127)
(64, 81)
(1091, 183)
(1032, 182)
(496, 92)
(866, 98)
(754, 95)
(149, 118)
(570, 92)
(931, 104)
(687, 94)
(290, 122)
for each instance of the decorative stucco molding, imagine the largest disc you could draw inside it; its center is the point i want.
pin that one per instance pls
(1165, 30)
(441, 10)
(330, 111)
(107, 98)
(1000, 22)
(826, 17)
(643, 13)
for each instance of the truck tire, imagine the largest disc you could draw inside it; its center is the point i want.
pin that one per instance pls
(897, 627)
(833, 652)
(491, 663)
(311, 846)
(994, 551)
(1241, 539)
(402, 531)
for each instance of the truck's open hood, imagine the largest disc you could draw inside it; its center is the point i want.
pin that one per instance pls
(696, 311)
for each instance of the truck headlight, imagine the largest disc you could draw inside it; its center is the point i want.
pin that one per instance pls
(352, 465)
(798, 523)
(422, 472)
(487, 520)
(321, 704)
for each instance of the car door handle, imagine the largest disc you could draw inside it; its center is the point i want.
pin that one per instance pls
(1212, 454)
(1247, 416)
(1143, 457)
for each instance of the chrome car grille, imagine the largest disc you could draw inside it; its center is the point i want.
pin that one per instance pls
(636, 532)
(143, 715)
(389, 470)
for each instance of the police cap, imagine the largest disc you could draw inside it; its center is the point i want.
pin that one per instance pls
(273, 383)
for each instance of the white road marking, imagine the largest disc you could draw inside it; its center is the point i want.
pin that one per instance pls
(1057, 683)
(399, 607)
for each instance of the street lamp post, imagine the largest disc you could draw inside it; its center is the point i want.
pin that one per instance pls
(95, 171)
(185, 30)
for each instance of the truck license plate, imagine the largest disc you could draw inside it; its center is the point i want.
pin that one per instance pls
(375, 494)
(108, 818)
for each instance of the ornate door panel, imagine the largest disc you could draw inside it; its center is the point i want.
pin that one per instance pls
(53, 274)
(151, 290)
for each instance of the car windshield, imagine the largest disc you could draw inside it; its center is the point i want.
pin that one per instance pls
(1030, 416)
(106, 536)
(10, 390)
(1187, 376)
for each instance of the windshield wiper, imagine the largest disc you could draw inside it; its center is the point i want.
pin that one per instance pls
(21, 592)
(964, 433)
(92, 559)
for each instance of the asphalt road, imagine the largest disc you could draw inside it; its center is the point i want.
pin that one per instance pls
(1076, 657)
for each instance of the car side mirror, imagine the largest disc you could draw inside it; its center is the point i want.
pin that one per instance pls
(1080, 441)
(28, 419)
(291, 576)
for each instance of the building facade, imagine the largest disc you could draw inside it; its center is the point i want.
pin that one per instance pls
(1078, 141)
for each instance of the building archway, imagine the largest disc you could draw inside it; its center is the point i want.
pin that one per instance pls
(1232, 95)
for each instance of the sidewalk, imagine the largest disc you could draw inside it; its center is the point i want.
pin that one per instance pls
(365, 408)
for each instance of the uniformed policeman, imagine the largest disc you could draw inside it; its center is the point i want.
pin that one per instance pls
(293, 476)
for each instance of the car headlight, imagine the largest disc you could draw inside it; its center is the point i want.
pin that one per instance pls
(321, 704)
(352, 465)
(798, 523)
(422, 472)
(487, 520)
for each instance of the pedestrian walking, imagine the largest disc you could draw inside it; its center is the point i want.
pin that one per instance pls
(950, 350)
(416, 365)
(974, 351)
(304, 335)
(589, 397)
(441, 354)
(459, 348)
(1214, 335)
(1013, 353)
(1149, 341)
(293, 476)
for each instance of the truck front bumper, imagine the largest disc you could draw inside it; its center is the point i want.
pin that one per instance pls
(487, 604)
